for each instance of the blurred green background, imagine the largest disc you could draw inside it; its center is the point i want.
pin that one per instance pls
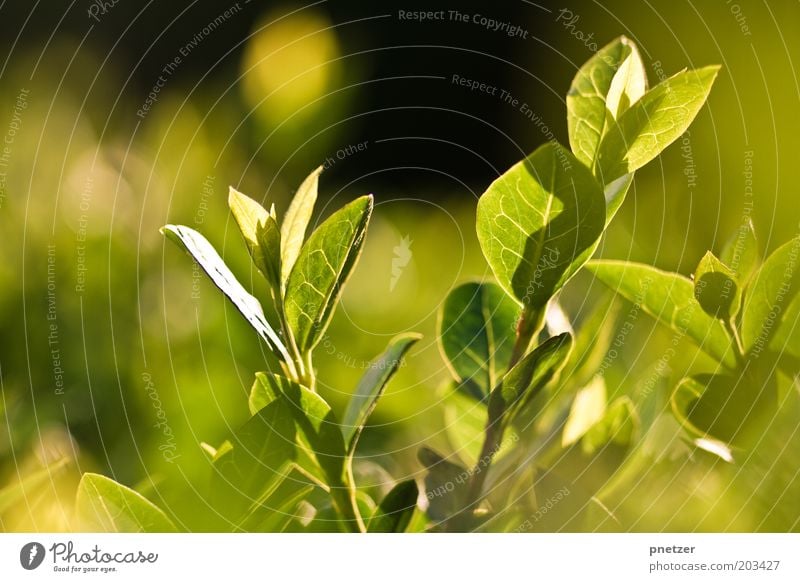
(119, 120)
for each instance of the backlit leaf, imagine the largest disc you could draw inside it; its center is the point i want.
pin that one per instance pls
(201, 250)
(771, 290)
(394, 512)
(295, 222)
(249, 214)
(654, 122)
(606, 86)
(321, 270)
(716, 288)
(668, 297)
(371, 386)
(528, 377)
(740, 253)
(587, 409)
(539, 223)
(103, 505)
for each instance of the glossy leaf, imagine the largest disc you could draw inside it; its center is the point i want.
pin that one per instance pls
(295, 222)
(607, 85)
(654, 122)
(321, 270)
(539, 223)
(740, 253)
(477, 333)
(716, 288)
(668, 297)
(771, 290)
(587, 409)
(528, 377)
(394, 512)
(103, 505)
(201, 250)
(371, 386)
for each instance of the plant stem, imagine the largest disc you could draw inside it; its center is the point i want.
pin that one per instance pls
(344, 497)
(297, 367)
(530, 324)
(309, 377)
(729, 325)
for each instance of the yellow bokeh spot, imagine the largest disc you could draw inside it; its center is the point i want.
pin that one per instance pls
(287, 65)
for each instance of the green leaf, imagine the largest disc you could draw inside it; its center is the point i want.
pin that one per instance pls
(19, 490)
(654, 122)
(321, 449)
(319, 434)
(741, 252)
(324, 264)
(465, 423)
(295, 223)
(716, 289)
(249, 470)
(669, 298)
(201, 250)
(713, 406)
(365, 398)
(615, 194)
(445, 485)
(539, 223)
(770, 292)
(786, 339)
(528, 377)
(618, 425)
(394, 512)
(587, 409)
(266, 388)
(607, 85)
(263, 446)
(477, 333)
(103, 505)
(253, 218)
(269, 240)
(593, 337)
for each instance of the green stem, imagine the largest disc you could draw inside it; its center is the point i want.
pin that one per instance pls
(530, 324)
(309, 377)
(346, 502)
(729, 325)
(297, 366)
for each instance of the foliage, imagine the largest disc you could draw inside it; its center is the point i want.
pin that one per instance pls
(290, 466)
